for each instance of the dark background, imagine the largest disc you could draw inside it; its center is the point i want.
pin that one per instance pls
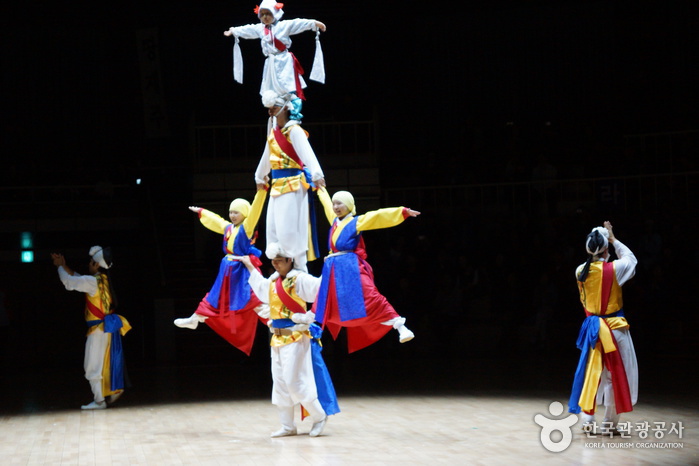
(466, 95)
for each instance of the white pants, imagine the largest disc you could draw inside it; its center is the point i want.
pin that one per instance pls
(287, 224)
(95, 348)
(605, 392)
(294, 382)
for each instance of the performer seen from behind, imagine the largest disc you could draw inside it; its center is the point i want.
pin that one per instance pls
(607, 371)
(104, 357)
(230, 308)
(348, 296)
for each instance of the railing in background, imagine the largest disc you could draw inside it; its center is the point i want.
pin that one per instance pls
(248, 141)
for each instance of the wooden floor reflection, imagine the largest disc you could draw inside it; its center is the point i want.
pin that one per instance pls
(370, 430)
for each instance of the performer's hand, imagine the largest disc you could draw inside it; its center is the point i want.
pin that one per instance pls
(263, 311)
(261, 186)
(307, 318)
(195, 209)
(608, 226)
(227, 33)
(58, 259)
(299, 327)
(247, 263)
(320, 182)
(412, 213)
(320, 26)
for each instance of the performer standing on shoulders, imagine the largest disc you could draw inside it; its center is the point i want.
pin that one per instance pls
(348, 296)
(282, 71)
(607, 371)
(294, 169)
(104, 357)
(299, 373)
(230, 307)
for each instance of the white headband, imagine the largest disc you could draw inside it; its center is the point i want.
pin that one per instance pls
(97, 254)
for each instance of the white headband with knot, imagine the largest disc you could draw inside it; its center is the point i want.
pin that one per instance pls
(275, 250)
(97, 254)
(598, 246)
(271, 99)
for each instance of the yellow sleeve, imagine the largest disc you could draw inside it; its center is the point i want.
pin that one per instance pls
(327, 204)
(382, 218)
(213, 221)
(251, 220)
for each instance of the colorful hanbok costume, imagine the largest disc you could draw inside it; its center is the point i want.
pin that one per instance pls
(299, 373)
(229, 308)
(282, 72)
(348, 296)
(607, 371)
(291, 163)
(104, 356)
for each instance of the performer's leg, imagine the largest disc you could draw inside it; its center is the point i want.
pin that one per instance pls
(286, 416)
(281, 397)
(611, 418)
(191, 321)
(318, 416)
(628, 357)
(291, 225)
(95, 347)
(404, 334)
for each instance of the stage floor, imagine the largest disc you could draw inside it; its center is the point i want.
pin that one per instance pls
(394, 411)
(370, 430)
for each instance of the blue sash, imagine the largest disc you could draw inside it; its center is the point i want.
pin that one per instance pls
(587, 339)
(324, 384)
(112, 324)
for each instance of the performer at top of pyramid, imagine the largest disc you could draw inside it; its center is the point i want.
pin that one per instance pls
(282, 71)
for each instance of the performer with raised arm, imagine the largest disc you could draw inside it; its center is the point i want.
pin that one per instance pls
(348, 296)
(291, 167)
(282, 72)
(299, 373)
(607, 371)
(230, 308)
(104, 357)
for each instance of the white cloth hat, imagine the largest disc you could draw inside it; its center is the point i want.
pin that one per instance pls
(97, 254)
(276, 250)
(274, 7)
(271, 99)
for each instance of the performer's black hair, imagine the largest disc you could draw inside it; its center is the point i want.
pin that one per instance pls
(594, 241)
(107, 256)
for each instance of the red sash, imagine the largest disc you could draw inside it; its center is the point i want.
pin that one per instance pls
(298, 69)
(607, 282)
(287, 300)
(286, 146)
(97, 312)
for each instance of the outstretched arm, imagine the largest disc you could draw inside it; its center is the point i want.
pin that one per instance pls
(384, 218)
